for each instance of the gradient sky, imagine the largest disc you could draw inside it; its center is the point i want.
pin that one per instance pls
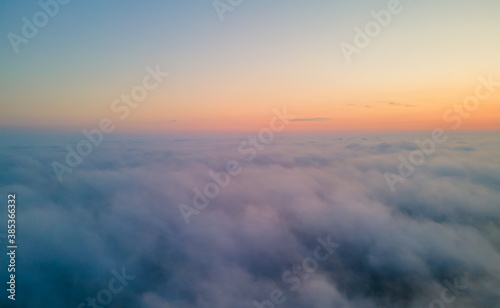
(229, 75)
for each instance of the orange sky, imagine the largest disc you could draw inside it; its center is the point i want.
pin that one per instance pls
(228, 76)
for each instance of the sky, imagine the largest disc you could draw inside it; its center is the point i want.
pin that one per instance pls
(389, 153)
(228, 75)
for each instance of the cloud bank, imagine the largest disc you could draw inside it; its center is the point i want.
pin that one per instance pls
(119, 209)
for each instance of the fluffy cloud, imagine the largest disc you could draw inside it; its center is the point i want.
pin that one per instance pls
(119, 208)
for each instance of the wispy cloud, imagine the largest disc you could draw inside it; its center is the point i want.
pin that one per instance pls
(381, 105)
(163, 122)
(310, 119)
(399, 104)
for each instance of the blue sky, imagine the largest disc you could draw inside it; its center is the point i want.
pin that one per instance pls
(263, 55)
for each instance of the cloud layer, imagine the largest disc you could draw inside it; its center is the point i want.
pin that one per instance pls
(119, 208)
